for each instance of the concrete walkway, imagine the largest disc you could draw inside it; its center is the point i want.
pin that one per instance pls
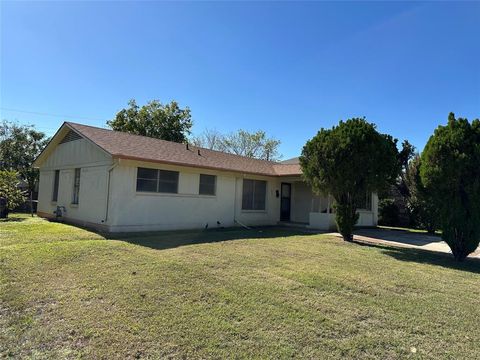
(404, 238)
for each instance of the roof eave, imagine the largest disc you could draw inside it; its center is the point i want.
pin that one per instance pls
(137, 158)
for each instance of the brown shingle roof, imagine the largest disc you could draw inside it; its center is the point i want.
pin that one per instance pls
(136, 147)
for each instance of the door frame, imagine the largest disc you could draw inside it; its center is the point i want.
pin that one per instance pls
(289, 202)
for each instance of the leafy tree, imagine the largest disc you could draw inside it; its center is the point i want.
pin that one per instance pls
(157, 120)
(423, 211)
(450, 167)
(9, 189)
(251, 144)
(19, 147)
(348, 161)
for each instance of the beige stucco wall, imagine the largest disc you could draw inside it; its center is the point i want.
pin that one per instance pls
(130, 210)
(301, 202)
(94, 164)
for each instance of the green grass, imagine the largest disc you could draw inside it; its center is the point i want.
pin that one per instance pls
(69, 293)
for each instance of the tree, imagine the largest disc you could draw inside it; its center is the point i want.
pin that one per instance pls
(388, 212)
(9, 189)
(251, 144)
(396, 198)
(422, 210)
(348, 161)
(209, 139)
(405, 157)
(157, 120)
(450, 167)
(255, 145)
(19, 147)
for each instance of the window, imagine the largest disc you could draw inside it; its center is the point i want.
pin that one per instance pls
(207, 184)
(76, 186)
(56, 180)
(365, 202)
(254, 194)
(168, 181)
(153, 180)
(147, 179)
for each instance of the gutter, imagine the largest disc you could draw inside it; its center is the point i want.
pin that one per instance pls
(110, 169)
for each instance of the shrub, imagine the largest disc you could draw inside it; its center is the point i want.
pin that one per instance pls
(388, 213)
(349, 161)
(450, 168)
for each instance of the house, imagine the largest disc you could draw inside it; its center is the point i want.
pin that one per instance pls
(115, 181)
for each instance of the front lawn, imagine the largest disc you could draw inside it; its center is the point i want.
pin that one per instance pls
(69, 293)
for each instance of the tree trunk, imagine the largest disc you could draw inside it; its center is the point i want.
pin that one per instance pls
(348, 237)
(458, 247)
(459, 253)
(346, 217)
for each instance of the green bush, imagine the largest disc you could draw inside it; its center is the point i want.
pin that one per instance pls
(422, 210)
(9, 189)
(450, 168)
(347, 162)
(388, 213)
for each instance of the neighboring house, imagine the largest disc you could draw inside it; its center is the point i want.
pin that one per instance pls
(116, 181)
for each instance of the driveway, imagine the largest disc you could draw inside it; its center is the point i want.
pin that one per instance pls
(404, 238)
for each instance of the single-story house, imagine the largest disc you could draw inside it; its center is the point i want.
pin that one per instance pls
(115, 181)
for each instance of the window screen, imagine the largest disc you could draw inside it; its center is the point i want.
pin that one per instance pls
(147, 179)
(153, 180)
(76, 186)
(207, 184)
(254, 194)
(56, 180)
(168, 181)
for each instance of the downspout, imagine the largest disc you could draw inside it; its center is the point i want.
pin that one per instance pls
(115, 163)
(235, 203)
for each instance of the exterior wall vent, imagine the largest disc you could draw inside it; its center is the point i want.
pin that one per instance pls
(71, 136)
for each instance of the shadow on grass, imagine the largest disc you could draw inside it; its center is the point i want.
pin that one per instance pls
(12, 219)
(426, 257)
(161, 240)
(401, 236)
(413, 231)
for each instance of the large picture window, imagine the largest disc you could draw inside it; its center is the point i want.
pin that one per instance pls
(154, 180)
(207, 184)
(254, 194)
(76, 186)
(56, 180)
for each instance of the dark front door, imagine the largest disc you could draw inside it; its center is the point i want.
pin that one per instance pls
(285, 202)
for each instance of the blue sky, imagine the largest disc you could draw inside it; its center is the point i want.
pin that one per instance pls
(287, 68)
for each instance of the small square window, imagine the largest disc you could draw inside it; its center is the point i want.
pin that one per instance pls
(207, 184)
